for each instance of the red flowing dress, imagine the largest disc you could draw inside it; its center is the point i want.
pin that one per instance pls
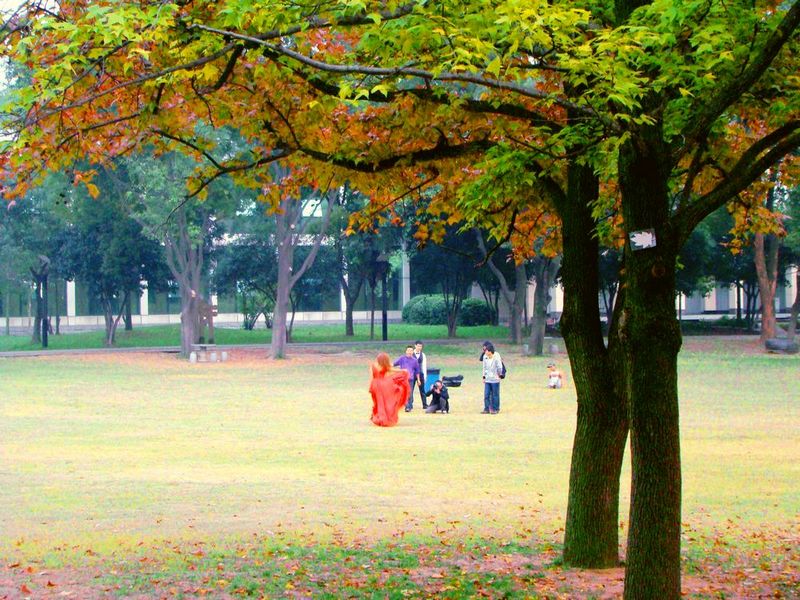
(389, 390)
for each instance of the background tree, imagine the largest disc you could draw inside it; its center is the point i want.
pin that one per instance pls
(793, 244)
(107, 250)
(186, 225)
(301, 220)
(352, 251)
(693, 264)
(514, 296)
(247, 266)
(320, 281)
(545, 271)
(449, 267)
(34, 230)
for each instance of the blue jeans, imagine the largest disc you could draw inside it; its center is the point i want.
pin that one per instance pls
(410, 402)
(491, 396)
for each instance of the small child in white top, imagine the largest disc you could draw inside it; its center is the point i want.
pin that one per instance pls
(555, 378)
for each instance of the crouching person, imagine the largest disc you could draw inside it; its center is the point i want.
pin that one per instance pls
(440, 400)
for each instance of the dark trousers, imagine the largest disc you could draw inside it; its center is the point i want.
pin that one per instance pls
(422, 397)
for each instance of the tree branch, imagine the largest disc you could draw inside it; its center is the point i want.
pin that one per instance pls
(440, 151)
(698, 127)
(751, 165)
(276, 51)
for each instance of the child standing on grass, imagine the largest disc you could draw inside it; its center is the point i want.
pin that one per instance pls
(555, 378)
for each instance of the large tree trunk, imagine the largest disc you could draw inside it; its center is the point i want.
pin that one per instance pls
(591, 531)
(650, 339)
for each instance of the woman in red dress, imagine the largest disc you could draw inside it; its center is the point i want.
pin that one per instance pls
(389, 389)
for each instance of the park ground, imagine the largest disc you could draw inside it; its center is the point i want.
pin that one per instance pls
(141, 476)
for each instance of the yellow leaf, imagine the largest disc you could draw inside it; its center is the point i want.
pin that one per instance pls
(494, 66)
(94, 191)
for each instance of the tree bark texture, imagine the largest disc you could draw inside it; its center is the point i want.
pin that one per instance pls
(766, 262)
(591, 531)
(280, 313)
(185, 262)
(544, 270)
(289, 236)
(515, 299)
(792, 329)
(650, 340)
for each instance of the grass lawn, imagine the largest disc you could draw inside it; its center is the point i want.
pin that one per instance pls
(169, 335)
(143, 475)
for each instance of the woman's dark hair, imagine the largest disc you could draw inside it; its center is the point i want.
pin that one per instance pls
(490, 347)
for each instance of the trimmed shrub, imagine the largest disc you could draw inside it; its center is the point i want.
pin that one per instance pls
(475, 312)
(409, 307)
(430, 309)
(425, 310)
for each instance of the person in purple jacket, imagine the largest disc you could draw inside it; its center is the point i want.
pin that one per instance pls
(411, 365)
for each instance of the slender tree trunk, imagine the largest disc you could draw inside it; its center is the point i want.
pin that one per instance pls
(108, 320)
(279, 317)
(289, 236)
(372, 311)
(349, 329)
(58, 309)
(36, 335)
(515, 299)
(111, 322)
(792, 330)
(451, 325)
(190, 331)
(351, 294)
(45, 314)
(541, 298)
(592, 522)
(40, 281)
(766, 263)
(739, 301)
(128, 313)
(185, 262)
(543, 272)
(6, 306)
(518, 303)
(650, 339)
